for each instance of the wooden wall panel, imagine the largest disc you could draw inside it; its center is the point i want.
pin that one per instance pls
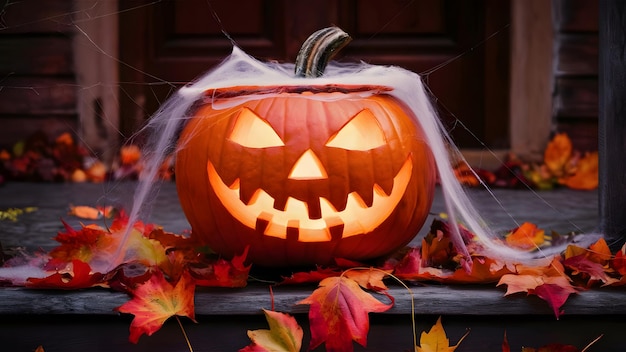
(575, 96)
(36, 16)
(33, 96)
(38, 84)
(35, 55)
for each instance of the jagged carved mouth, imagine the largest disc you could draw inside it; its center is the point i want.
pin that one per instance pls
(294, 222)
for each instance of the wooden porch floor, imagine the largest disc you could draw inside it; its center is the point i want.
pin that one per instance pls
(85, 320)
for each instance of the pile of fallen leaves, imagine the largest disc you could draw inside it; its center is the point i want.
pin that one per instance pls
(160, 272)
(562, 166)
(63, 160)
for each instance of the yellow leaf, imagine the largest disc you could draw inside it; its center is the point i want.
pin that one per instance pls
(436, 340)
(284, 335)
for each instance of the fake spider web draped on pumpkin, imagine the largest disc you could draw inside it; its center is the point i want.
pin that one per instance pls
(239, 69)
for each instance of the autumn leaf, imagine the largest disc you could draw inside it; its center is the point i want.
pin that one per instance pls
(505, 344)
(130, 154)
(91, 213)
(436, 340)
(81, 244)
(619, 262)
(171, 240)
(222, 273)
(554, 294)
(465, 175)
(598, 252)
(553, 289)
(548, 266)
(527, 237)
(126, 277)
(484, 270)
(157, 300)
(438, 249)
(592, 271)
(339, 314)
(313, 276)
(371, 279)
(98, 247)
(558, 153)
(585, 174)
(284, 335)
(79, 276)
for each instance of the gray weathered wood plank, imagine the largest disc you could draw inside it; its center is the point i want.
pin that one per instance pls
(429, 300)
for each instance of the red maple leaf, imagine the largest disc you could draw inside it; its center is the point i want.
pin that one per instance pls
(339, 314)
(619, 262)
(157, 300)
(78, 277)
(553, 289)
(483, 270)
(313, 276)
(222, 273)
(592, 271)
(555, 295)
(80, 244)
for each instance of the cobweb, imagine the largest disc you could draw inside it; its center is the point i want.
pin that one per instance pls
(489, 210)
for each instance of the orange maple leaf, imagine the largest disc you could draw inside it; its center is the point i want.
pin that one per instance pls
(585, 173)
(91, 213)
(483, 270)
(157, 300)
(527, 237)
(553, 289)
(436, 340)
(371, 279)
(558, 153)
(284, 335)
(339, 313)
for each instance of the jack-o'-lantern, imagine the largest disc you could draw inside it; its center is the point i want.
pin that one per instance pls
(304, 174)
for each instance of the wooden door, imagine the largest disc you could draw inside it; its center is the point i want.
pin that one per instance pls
(460, 46)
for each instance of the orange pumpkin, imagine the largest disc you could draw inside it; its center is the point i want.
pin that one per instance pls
(305, 174)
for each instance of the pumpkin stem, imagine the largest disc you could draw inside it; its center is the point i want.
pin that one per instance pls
(318, 49)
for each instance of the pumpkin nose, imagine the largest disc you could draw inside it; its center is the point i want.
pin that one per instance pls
(308, 167)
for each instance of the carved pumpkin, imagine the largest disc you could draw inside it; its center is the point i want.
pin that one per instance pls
(304, 174)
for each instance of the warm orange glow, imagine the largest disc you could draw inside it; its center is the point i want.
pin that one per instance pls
(308, 167)
(253, 132)
(362, 133)
(356, 218)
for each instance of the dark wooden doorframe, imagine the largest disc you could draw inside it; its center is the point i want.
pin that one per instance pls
(612, 122)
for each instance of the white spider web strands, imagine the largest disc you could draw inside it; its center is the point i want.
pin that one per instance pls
(240, 69)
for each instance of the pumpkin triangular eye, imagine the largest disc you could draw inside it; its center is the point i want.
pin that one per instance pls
(253, 132)
(362, 132)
